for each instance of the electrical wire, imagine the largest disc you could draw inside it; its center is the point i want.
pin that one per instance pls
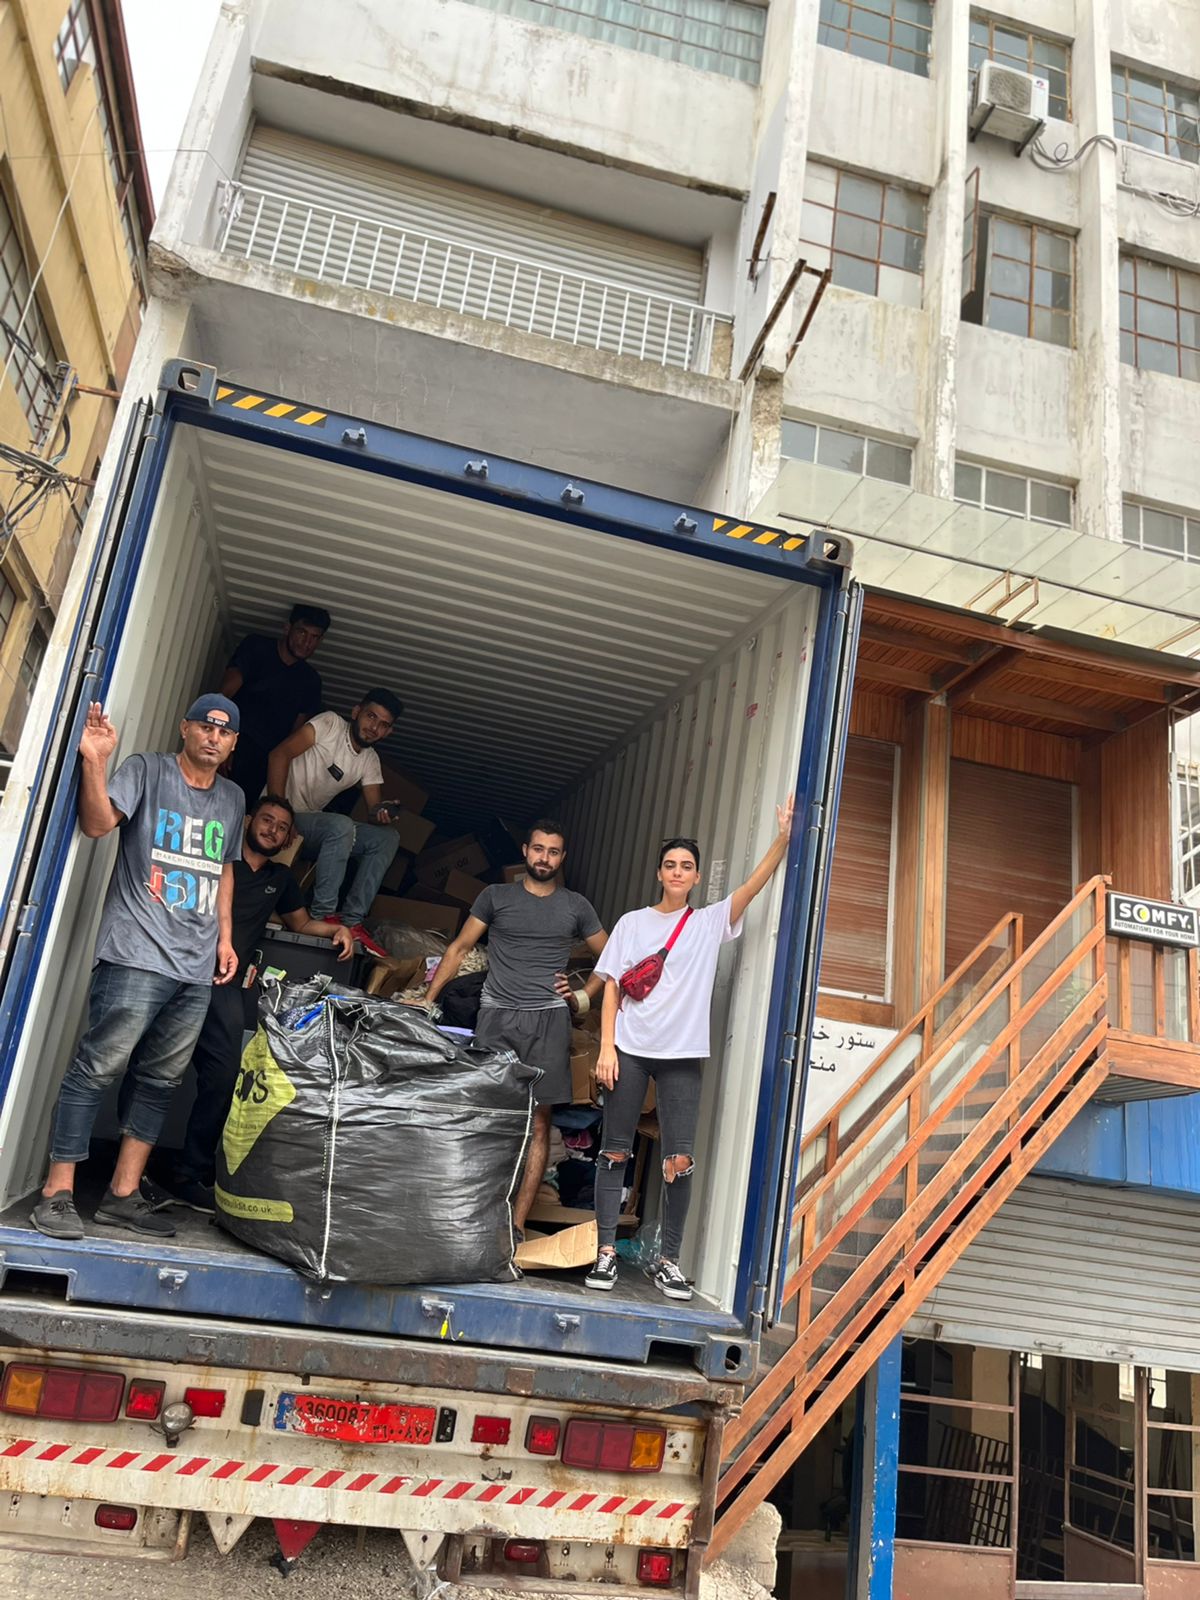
(1060, 160)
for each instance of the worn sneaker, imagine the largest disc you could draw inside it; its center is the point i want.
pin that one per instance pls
(671, 1282)
(132, 1211)
(194, 1194)
(368, 942)
(55, 1215)
(155, 1196)
(604, 1274)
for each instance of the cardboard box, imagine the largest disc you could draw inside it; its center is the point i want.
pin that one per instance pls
(395, 875)
(570, 1247)
(414, 831)
(585, 1047)
(389, 976)
(416, 914)
(515, 873)
(399, 786)
(461, 886)
(464, 854)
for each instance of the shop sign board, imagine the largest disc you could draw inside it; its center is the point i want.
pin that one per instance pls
(1161, 921)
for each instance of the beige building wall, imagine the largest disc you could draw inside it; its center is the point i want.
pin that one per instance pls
(70, 167)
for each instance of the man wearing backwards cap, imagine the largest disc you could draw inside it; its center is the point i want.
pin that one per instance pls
(167, 923)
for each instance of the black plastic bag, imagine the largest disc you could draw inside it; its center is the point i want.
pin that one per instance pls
(364, 1145)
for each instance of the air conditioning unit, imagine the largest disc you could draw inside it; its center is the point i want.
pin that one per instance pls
(1009, 104)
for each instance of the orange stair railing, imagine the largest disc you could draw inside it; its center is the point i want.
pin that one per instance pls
(904, 1172)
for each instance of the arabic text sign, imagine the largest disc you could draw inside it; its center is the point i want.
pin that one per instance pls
(1134, 917)
(841, 1054)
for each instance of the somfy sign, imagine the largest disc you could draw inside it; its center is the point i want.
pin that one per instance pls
(1158, 920)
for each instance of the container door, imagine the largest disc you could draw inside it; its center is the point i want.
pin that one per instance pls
(50, 815)
(804, 911)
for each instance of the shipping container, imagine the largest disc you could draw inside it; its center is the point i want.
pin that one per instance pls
(644, 668)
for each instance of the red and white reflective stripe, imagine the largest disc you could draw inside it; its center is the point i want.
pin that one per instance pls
(279, 1477)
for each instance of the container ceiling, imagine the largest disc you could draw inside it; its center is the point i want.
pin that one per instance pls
(522, 648)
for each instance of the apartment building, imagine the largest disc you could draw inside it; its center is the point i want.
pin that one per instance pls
(75, 210)
(786, 262)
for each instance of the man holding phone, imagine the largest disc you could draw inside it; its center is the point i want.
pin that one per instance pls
(328, 755)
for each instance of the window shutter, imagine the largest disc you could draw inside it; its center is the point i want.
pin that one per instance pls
(1008, 848)
(855, 958)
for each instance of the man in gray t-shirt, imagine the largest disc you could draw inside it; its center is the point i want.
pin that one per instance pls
(527, 1004)
(165, 939)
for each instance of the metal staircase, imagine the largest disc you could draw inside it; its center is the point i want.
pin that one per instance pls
(906, 1169)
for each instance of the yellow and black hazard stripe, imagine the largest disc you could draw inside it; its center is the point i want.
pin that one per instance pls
(268, 406)
(747, 530)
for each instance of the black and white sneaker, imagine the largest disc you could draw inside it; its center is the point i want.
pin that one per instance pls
(604, 1274)
(670, 1281)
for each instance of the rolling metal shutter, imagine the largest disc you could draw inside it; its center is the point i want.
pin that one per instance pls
(451, 245)
(854, 957)
(1008, 848)
(1078, 1269)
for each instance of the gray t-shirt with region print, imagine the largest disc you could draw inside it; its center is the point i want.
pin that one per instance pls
(160, 914)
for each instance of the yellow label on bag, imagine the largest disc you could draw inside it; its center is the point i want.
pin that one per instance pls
(263, 1089)
(254, 1210)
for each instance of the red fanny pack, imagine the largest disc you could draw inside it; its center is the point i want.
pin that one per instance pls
(642, 977)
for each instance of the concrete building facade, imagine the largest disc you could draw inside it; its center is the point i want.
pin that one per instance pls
(751, 257)
(75, 210)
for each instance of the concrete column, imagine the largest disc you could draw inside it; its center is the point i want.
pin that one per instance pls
(876, 1475)
(1097, 293)
(934, 465)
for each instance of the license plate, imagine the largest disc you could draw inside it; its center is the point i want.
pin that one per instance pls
(328, 1418)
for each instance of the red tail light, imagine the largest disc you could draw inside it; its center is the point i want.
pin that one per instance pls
(205, 1402)
(119, 1519)
(542, 1436)
(613, 1446)
(491, 1430)
(655, 1567)
(65, 1394)
(525, 1551)
(144, 1400)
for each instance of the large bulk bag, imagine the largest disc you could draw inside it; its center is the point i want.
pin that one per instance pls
(365, 1145)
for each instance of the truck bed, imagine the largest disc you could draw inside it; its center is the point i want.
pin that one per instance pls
(204, 1271)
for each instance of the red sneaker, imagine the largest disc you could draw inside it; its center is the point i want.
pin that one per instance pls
(372, 946)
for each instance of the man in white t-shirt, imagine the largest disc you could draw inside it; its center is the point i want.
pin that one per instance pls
(326, 756)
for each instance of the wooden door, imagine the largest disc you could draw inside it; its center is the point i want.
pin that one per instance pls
(1008, 848)
(855, 952)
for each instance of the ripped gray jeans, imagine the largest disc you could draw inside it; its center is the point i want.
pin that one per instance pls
(677, 1086)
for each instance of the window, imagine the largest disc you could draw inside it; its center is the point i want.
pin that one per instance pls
(846, 452)
(73, 45)
(1022, 280)
(8, 604)
(896, 32)
(1156, 113)
(122, 185)
(31, 350)
(1032, 498)
(1173, 533)
(1009, 44)
(31, 661)
(723, 36)
(872, 233)
(1160, 318)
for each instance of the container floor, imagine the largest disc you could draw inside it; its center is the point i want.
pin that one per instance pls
(199, 1238)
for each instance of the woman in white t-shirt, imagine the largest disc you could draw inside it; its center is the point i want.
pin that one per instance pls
(663, 1037)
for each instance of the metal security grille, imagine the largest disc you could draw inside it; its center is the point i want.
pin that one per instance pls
(723, 36)
(344, 218)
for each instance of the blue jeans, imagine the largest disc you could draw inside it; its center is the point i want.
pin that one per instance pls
(332, 841)
(140, 1022)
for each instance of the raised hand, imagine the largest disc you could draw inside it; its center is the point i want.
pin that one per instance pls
(784, 814)
(99, 737)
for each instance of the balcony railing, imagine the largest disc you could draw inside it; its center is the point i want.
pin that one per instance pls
(589, 312)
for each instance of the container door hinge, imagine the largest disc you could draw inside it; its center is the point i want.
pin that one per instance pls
(93, 663)
(27, 921)
(791, 1049)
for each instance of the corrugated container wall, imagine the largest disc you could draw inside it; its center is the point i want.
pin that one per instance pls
(711, 763)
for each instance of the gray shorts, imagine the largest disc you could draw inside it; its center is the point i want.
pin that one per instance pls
(540, 1039)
